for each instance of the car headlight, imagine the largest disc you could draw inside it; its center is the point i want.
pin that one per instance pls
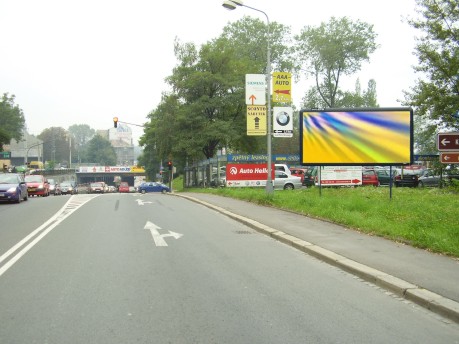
(11, 190)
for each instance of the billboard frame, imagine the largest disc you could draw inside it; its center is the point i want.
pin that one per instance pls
(362, 162)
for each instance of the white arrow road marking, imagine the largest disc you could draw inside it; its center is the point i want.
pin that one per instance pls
(158, 238)
(140, 202)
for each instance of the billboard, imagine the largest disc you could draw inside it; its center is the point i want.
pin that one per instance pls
(382, 136)
(240, 175)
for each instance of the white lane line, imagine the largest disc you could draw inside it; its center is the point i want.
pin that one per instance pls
(72, 205)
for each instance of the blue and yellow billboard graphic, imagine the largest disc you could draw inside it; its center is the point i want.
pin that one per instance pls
(356, 136)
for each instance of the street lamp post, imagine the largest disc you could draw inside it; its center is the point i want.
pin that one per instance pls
(231, 5)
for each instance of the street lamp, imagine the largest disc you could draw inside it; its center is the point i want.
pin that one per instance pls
(231, 5)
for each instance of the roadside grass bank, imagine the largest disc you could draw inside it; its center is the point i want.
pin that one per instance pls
(426, 218)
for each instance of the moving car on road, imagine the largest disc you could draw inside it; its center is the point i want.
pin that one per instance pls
(13, 188)
(153, 187)
(69, 188)
(124, 187)
(54, 187)
(37, 185)
(97, 187)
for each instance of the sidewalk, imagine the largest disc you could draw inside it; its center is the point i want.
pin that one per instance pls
(428, 279)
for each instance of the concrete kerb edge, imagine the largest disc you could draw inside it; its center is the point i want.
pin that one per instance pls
(425, 298)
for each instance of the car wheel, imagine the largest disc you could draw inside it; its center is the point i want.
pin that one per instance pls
(143, 191)
(288, 187)
(421, 184)
(163, 191)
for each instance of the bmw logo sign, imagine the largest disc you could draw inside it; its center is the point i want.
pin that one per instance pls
(283, 118)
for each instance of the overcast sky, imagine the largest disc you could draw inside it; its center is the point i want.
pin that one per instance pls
(86, 61)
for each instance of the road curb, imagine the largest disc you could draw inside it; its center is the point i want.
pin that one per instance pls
(434, 302)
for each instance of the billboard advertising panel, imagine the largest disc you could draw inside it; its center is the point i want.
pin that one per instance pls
(382, 136)
(240, 175)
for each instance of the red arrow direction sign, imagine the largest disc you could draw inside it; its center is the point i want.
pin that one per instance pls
(282, 91)
(449, 158)
(448, 142)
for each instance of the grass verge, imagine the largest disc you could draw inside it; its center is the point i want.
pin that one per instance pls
(422, 217)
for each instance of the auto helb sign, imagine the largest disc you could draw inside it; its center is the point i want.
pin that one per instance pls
(243, 175)
(381, 136)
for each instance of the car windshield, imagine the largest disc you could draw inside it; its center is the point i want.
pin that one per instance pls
(8, 179)
(34, 179)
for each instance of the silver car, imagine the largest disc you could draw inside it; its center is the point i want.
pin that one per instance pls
(429, 178)
(284, 181)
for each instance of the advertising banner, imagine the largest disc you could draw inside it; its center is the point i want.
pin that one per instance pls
(243, 175)
(382, 136)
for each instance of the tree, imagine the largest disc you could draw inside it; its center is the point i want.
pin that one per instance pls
(100, 151)
(206, 110)
(56, 145)
(81, 134)
(330, 51)
(435, 96)
(12, 120)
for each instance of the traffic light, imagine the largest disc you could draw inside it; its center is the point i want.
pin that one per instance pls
(115, 122)
(169, 165)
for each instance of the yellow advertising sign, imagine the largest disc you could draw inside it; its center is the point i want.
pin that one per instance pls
(256, 120)
(282, 87)
(136, 169)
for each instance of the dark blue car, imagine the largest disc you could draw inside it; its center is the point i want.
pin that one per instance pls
(153, 187)
(13, 188)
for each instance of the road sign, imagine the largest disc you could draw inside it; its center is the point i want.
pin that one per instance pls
(448, 142)
(283, 122)
(5, 155)
(449, 158)
(255, 89)
(256, 120)
(282, 87)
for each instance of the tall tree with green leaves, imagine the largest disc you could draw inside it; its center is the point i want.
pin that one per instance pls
(435, 96)
(206, 109)
(12, 120)
(81, 134)
(329, 52)
(100, 151)
(56, 144)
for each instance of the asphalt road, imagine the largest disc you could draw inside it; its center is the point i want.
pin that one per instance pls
(130, 268)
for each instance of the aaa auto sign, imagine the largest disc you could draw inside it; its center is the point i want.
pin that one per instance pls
(240, 175)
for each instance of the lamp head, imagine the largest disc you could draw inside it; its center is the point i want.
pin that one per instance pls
(231, 4)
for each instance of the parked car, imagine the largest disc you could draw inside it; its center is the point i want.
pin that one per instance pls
(153, 187)
(309, 179)
(218, 180)
(37, 185)
(384, 176)
(407, 180)
(369, 177)
(430, 178)
(283, 168)
(13, 188)
(284, 181)
(97, 187)
(124, 187)
(69, 188)
(298, 172)
(54, 187)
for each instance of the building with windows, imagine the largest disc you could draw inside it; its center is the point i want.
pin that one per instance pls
(121, 139)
